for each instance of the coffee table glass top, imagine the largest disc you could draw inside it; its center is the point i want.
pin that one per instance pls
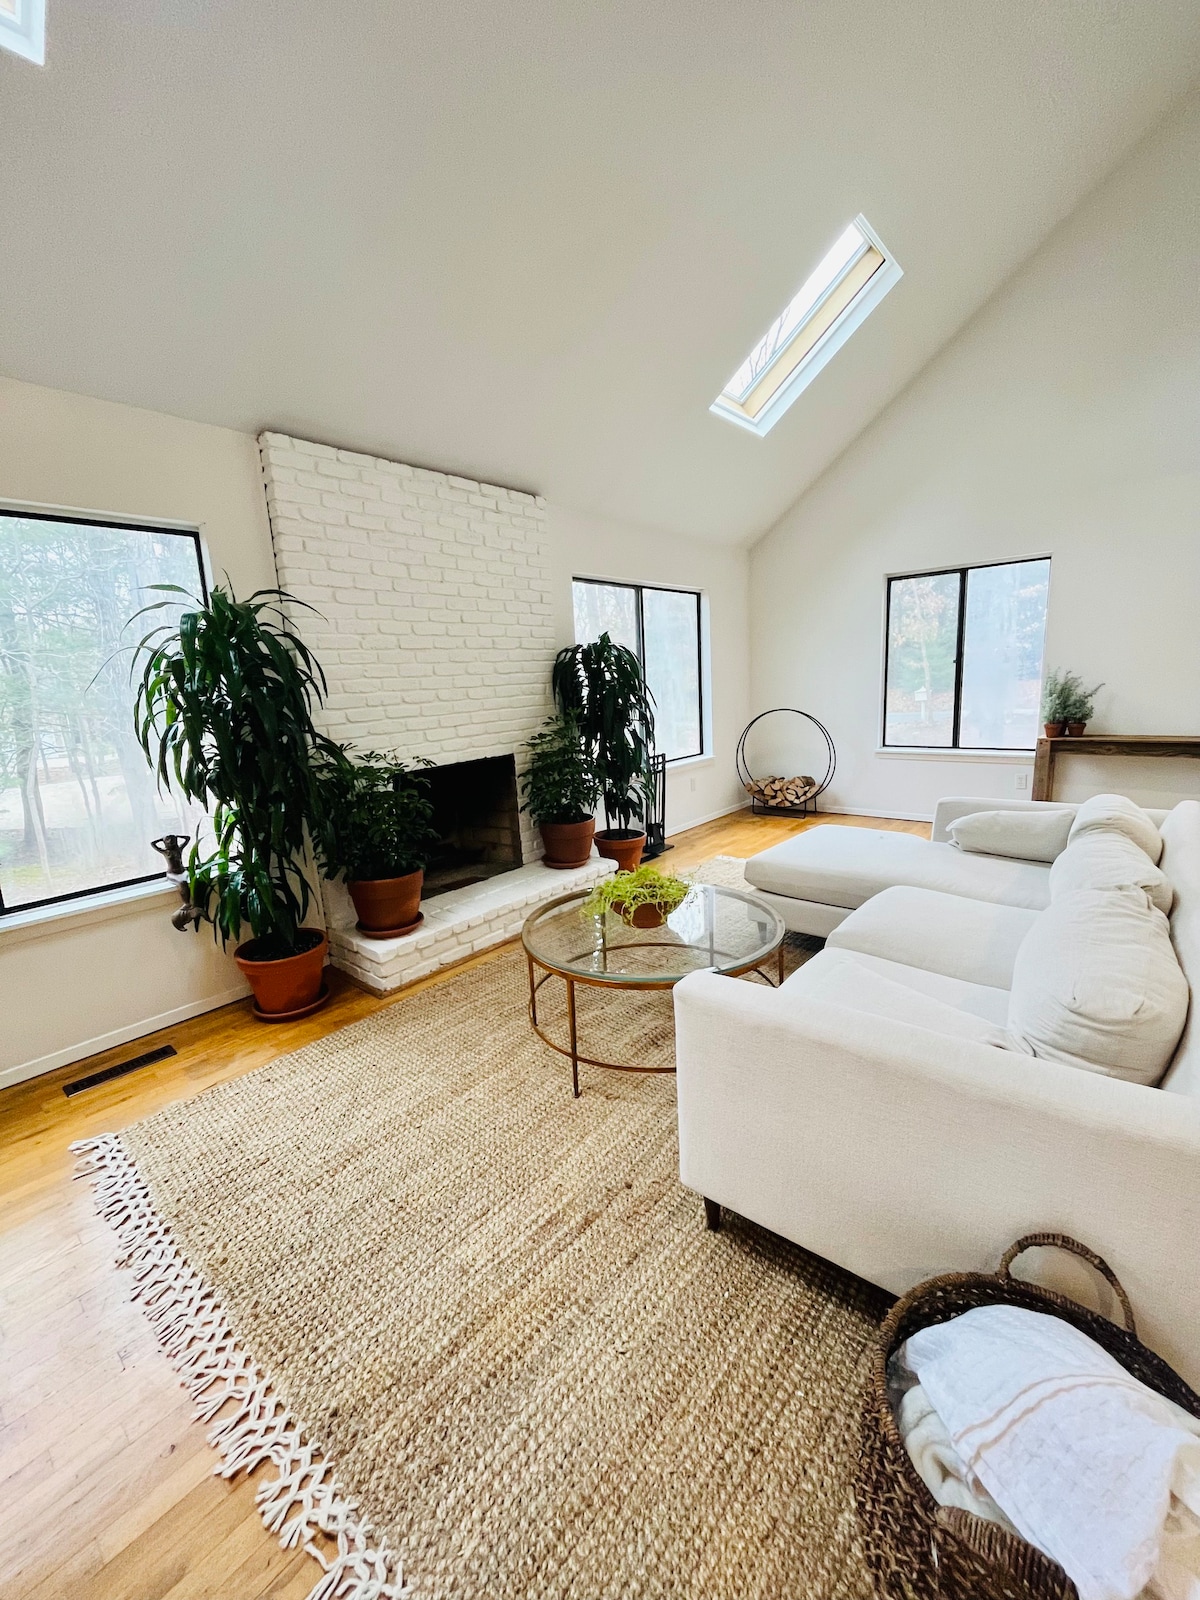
(714, 927)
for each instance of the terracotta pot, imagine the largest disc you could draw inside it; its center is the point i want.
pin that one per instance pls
(388, 905)
(644, 916)
(1054, 730)
(1075, 729)
(287, 985)
(568, 844)
(621, 845)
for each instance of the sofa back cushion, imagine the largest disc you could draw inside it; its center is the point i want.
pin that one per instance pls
(1020, 835)
(1102, 858)
(1115, 813)
(1096, 984)
(1181, 863)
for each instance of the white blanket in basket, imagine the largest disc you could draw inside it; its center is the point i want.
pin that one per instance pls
(1090, 1465)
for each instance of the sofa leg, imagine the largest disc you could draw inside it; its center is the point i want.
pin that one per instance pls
(712, 1215)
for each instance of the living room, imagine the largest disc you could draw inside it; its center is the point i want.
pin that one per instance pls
(427, 319)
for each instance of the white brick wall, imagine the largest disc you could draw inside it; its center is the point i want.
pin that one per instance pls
(435, 630)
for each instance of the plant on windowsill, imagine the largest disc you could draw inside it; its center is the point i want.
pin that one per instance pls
(224, 713)
(644, 898)
(375, 829)
(602, 689)
(1067, 706)
(562, 791)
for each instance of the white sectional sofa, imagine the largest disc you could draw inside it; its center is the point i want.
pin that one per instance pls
(918, 1095)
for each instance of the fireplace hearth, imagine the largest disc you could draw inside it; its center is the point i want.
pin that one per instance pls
(477, 818)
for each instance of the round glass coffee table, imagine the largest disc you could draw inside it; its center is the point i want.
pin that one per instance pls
(715, 928)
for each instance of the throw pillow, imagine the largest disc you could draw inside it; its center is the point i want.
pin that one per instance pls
(1116, 813)
(1096, 984)
(1022, 835)
(1105, 859)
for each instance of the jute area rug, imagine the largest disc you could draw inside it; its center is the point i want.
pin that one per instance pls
(479, 1330)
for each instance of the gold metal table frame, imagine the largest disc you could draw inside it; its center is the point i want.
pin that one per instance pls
(615, 981)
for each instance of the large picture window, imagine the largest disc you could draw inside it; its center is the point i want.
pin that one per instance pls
(662, 628)
(78, 802)
(964, 657)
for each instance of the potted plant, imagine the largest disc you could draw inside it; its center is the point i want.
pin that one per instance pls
(375, 829)
(562, 790)
(602, 689)
(224, 712)
(1066, 704)
(643, 898)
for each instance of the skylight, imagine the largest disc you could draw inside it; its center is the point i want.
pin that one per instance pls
(23, 28)
(845, 287)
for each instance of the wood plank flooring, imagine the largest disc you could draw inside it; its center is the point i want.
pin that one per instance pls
(106, 1482)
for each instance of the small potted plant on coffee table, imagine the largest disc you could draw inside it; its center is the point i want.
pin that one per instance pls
(376, 832)
(643, 898)
(562, 790)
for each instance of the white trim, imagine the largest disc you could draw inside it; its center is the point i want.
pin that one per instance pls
(1020, 758)
(686, 762)
(108, 1041)
(890, 815)
(712, 816)
(25, 34)
(42, 922)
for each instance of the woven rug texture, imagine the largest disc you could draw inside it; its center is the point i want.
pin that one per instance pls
(496, 1317)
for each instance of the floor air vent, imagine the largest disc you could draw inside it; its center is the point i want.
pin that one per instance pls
(119, 1071)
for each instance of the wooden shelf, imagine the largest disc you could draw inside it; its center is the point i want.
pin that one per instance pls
(1104, 744)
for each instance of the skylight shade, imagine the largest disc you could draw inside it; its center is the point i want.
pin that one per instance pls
(848, 283)
(23, 28)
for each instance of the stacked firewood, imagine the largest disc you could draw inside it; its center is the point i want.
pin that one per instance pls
(782, 791)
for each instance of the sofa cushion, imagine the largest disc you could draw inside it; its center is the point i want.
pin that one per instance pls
(839, 977)
(1181, 863)
(842, 866)
(1022, 835)
(1096, 984)
(1103, 858)
(974, 940)
(979, 998)
(1114, 812)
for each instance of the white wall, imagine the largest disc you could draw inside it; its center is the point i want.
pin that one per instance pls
(594, 547)
(1064, 419)
(79, 988)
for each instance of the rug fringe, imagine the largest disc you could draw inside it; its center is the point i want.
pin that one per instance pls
(306, 1498)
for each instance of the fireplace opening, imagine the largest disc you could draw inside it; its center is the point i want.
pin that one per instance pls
(475, 813)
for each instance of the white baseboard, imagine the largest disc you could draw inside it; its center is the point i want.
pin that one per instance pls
(894, 816)
(712, 816)
(109, 1041)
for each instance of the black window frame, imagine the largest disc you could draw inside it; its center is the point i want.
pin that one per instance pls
(960, 638)
(639, 590)
(17, 513)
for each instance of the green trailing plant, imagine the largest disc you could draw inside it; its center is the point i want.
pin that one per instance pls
(375, 817)
(624, 892)
(1065, 699)
(561, 783)
(223, 712)
(602, 689)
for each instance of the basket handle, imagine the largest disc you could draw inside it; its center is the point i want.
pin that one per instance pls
(1063, 1241)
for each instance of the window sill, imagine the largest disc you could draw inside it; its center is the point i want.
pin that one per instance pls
(42, 922)
(941, 753)
(687, 762)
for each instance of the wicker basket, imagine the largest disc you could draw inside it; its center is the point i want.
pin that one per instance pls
(918, 1550)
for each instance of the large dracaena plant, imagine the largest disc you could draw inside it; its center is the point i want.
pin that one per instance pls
(224, 713)
(602, 689)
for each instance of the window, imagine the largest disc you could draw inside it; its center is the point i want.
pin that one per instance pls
(78, 802)
(964, 657)
(662, 628)
(23, 28)
(846, 286)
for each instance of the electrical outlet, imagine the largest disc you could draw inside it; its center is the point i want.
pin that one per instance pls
(1021, 781)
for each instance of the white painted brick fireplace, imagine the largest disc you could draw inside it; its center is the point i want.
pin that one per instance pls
(434, 626)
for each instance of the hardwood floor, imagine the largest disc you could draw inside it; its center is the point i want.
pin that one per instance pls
(107, 1482)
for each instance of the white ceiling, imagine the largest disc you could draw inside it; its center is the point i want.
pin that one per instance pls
(530, 241)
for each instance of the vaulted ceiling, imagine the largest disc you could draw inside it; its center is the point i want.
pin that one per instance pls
(529, 240)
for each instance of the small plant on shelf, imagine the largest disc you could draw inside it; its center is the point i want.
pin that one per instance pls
(376, 830)
(1067, 706)
(562, 790)
(643, 898)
